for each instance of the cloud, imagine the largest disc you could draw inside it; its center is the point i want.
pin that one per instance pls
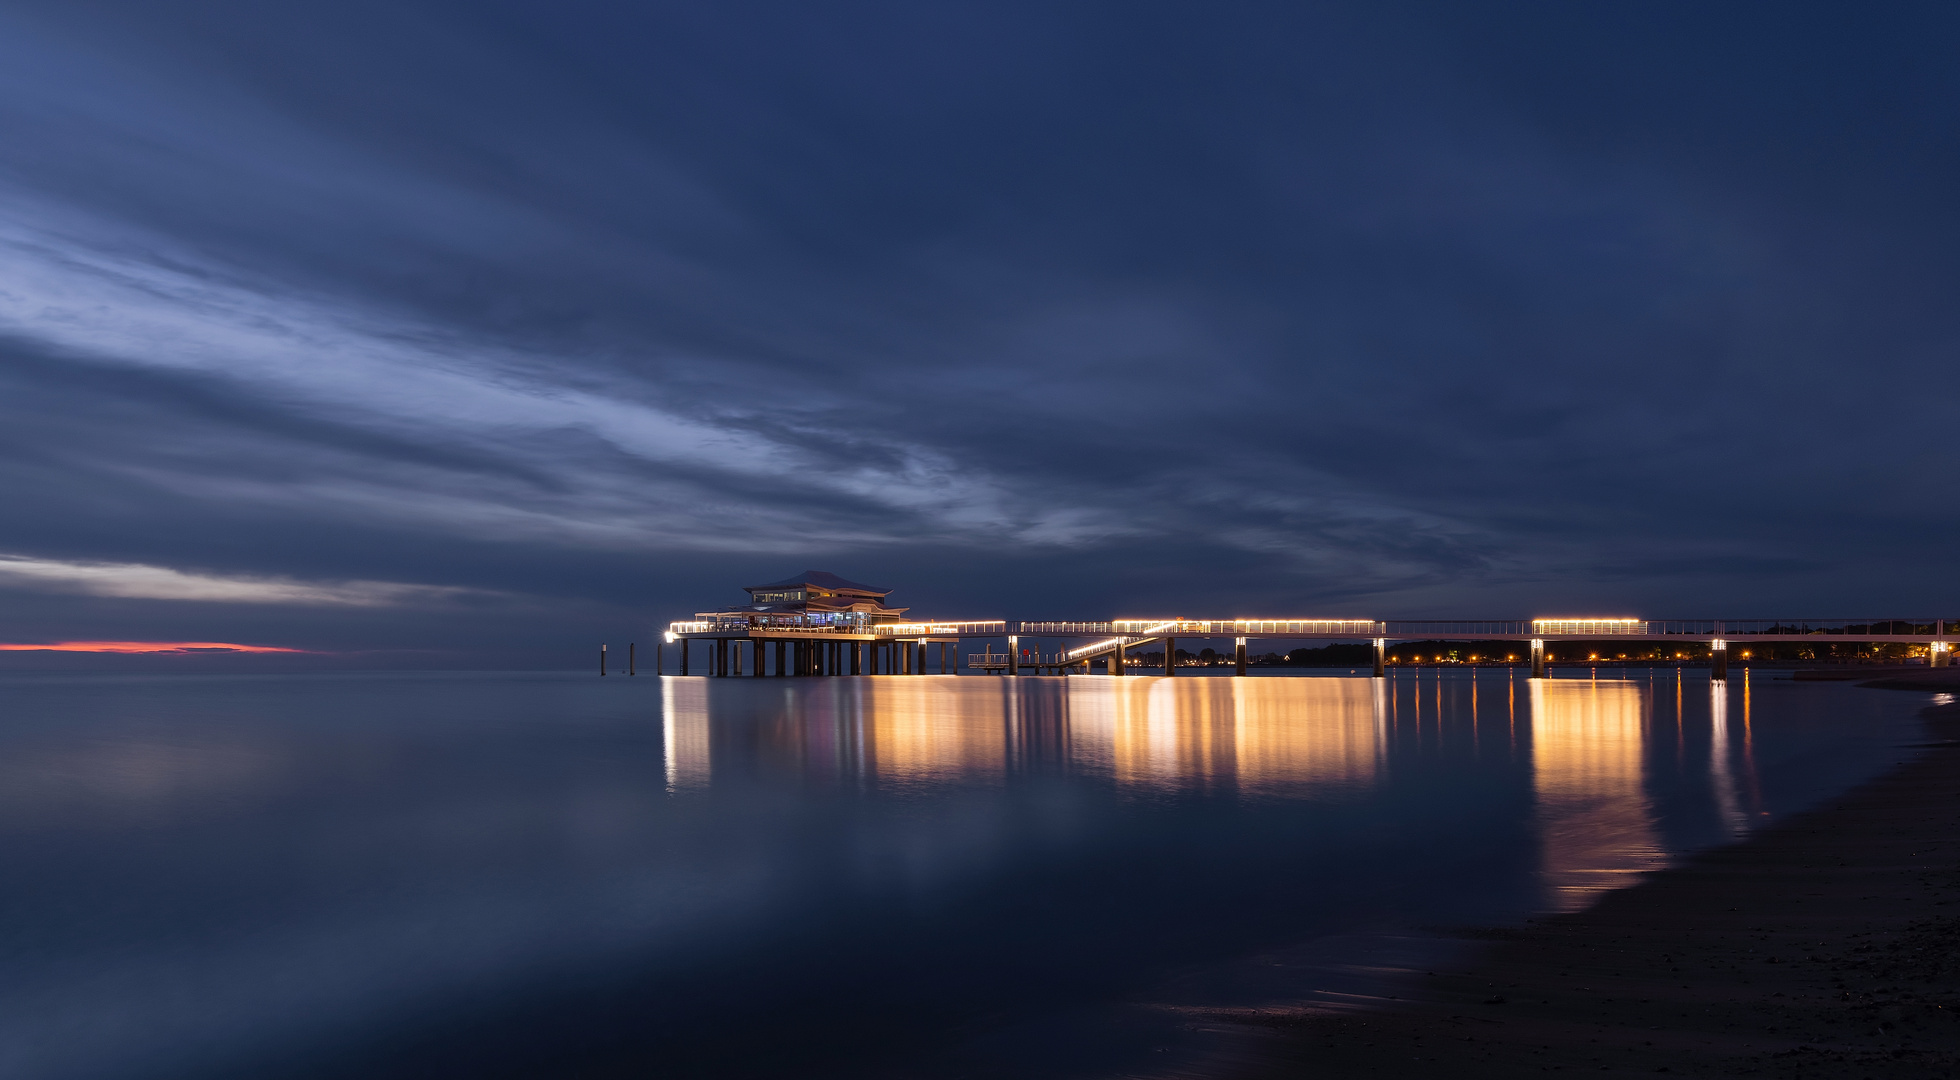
(136, 581)
(143, 647)
(1333, 305)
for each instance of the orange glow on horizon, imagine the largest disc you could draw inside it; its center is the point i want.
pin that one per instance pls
(145, 647)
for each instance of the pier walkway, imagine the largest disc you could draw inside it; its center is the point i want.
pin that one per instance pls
(806, 647)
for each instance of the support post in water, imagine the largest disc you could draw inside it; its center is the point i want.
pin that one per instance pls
(685, 642)
(1537, 658)
(632, 658)
(602, 661)
(1013, 655)
(1239, 651)
(1942, 654)
(1718, 659)
(1170, 656)
(1381, 657)
(1116, 658)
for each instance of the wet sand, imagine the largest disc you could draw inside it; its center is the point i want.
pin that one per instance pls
(1825, 946)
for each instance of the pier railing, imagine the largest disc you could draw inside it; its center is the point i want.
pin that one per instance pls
(972, 628)
(745, 624)
(1866, 629)
(1178, 627)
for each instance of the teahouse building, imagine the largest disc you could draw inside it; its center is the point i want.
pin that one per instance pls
(814, 598)
(820, 624)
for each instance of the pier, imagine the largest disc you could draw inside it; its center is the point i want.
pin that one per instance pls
(818, 624)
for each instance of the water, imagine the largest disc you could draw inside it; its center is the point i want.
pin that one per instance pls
(558, 875)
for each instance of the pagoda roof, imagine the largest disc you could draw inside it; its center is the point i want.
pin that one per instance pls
(822, 579)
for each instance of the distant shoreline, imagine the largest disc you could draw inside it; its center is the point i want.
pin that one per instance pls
(1826, 945)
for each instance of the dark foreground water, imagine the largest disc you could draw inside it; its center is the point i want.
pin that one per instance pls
(557, 875)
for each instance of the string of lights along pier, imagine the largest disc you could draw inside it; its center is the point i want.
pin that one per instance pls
(818, 623)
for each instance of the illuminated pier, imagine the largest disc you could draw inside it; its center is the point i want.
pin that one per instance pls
(820, 624)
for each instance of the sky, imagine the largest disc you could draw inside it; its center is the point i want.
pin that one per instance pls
(423, 333)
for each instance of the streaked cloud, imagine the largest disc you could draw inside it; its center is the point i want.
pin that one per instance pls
(137, 581)
(143, 647)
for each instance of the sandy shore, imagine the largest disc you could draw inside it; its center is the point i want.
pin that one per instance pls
(1826, 946)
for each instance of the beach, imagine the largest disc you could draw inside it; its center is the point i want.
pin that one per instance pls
(1827, 945)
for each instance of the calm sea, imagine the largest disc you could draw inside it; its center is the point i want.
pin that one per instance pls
(552, 875)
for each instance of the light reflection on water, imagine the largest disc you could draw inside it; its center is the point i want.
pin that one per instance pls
(1586, 742)
(1588, 757)
(212, 877)
(1256, 737)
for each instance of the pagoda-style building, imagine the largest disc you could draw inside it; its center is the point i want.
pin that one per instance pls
(819, 624)
(814, 598)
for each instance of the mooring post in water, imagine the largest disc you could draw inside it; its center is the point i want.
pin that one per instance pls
(1116, 659)
(1013, 655)
(1170, 656)
(1239, 649)
(1537, 658)
(632, 658)
(685, 642)
(1942, 653)
(1381, 657)
(602, 661)
(1718, 659)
